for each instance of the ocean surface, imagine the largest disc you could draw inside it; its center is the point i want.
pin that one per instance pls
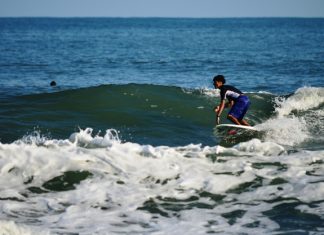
(126, 143)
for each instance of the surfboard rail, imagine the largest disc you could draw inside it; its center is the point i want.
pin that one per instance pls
(236, 126)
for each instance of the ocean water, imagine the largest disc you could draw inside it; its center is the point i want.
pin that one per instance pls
(126, 142)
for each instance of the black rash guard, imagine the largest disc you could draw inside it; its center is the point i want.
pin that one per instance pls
(229, 92)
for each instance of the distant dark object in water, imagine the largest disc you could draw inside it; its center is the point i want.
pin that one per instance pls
(53, 83)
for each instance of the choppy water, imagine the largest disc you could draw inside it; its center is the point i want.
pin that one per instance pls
(126, 144)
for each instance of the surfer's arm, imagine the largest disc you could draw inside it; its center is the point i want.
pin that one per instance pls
(220, 108)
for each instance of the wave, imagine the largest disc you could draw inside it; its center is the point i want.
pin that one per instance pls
(161, 115)
(93, 182)
(142, 113)
(297, 119)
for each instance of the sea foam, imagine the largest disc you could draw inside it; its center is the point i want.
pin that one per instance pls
(142, 188)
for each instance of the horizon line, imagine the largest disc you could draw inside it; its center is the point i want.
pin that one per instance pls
(171, 17)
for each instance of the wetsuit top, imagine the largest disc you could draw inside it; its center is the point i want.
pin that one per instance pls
(229, 92)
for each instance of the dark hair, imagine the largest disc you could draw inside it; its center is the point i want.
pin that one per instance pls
(219, 78)
(53, 83)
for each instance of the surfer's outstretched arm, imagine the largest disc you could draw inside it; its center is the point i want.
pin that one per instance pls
(219, 109)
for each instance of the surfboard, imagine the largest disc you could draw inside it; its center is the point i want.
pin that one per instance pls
(225, 126)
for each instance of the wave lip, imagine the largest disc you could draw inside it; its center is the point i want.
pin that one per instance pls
(84, 138)
(305, 98)
(296, 120)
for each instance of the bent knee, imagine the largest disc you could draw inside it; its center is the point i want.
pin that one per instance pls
(231, 117)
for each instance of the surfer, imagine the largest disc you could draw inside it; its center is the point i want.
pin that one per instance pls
(237, 101)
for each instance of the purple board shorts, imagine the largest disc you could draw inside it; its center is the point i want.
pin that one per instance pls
(240, 107)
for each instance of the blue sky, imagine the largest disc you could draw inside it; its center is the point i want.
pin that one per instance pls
(163, 8)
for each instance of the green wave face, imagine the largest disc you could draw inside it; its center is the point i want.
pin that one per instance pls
(152, 114)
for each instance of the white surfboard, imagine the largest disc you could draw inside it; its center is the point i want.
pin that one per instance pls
(236, 126)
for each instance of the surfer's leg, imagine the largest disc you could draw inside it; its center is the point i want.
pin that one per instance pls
(233, 119)
(243, 122)
(235, 113)
(244, 106)
(237, 120)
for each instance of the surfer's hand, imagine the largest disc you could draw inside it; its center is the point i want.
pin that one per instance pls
(216, 109)
(217, 120)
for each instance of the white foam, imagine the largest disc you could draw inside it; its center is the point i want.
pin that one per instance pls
(262, 148)
(303, 99)
(289, 126)
(84, 138)
(209, 92)
(126, 176)
(11, 228)
(290, 131)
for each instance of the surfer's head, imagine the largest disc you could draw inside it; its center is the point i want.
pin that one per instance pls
(219, 80)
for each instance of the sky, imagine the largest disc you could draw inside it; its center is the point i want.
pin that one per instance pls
(162, 8)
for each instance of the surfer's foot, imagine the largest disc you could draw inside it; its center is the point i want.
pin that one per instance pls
(232, 132)
(245, 123)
